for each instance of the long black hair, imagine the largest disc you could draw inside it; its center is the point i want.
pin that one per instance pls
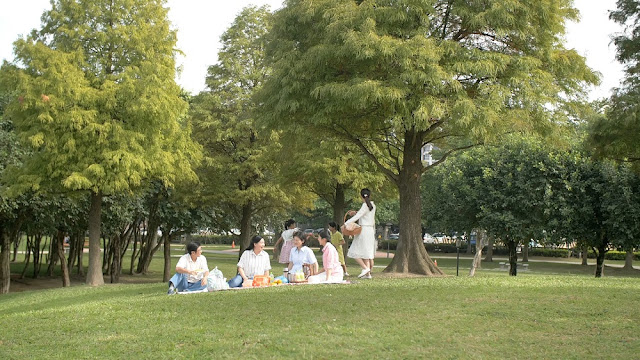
(366, 195)
(256, 239)
(334, 225)
(324, 234)
(288, 223)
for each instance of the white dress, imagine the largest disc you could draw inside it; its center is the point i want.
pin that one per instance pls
(364, 244)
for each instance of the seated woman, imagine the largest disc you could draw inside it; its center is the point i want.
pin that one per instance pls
(192, 271)
(332, 269)
(254, 261)
(301, 255)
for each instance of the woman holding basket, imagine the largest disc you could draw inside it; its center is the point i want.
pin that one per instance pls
(363, 247)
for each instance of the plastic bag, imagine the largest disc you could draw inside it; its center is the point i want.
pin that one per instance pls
(216, 281)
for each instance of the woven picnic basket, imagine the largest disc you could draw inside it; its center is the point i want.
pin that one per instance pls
(350, 229)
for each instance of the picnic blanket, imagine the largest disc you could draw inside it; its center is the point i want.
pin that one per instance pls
(344, 282)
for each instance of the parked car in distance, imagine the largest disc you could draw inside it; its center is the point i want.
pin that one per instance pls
(428, 239)
(394, 236)
(317, 231)
(308, 231)
(440, 237)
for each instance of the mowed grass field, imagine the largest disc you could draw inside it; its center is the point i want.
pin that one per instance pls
(554, 311)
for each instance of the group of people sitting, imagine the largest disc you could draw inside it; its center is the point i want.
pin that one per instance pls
(192, 269)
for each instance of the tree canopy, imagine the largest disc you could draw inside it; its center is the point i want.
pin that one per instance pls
(392, 76)
(98, 104)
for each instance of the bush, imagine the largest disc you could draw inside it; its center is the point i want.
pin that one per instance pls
(559, 253)
(382, 244)
(444, 248)
(614, 255)
(213, 239)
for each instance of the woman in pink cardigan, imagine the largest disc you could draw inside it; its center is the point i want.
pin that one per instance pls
(332, 270)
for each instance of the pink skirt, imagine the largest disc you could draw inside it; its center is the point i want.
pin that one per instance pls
(285, 252)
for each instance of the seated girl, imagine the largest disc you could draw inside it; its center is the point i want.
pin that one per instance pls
(332, 269)
(301, 255)
(254, 261)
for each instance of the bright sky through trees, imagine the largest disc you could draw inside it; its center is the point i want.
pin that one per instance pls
(201, 22)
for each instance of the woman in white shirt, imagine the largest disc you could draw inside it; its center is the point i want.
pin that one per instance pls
(254, 261)
(301, 255)
(192, 271)
(363, 248)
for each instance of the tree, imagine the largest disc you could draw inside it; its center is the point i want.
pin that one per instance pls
(392, 76)
(98, 104)
(501, 189)
(240, 172)
(615, 135)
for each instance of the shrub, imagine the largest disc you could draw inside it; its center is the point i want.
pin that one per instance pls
(213, 239)
(614, 255)
(559, 253)
(382, 244)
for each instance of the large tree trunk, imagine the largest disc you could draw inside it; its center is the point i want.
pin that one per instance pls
(585, 255)
(5, 268)
(411, 255)
(245, 226)
(94, 273)
(339, 204)
(525, 252)
(600, 252)
(53, 255)
(38, 254)
(489, 256)
(513, 258)
(168, 272)
(66, 281)
(628, 260)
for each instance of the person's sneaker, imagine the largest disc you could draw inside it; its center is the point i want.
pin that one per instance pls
(346, 274)
(363, 273)
(368, 276)
(172, 290)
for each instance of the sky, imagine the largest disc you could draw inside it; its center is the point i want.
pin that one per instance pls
(200, 23)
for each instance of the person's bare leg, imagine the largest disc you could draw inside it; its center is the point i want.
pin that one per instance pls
(362, 263)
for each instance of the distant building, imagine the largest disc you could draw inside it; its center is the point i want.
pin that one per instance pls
(426, 156)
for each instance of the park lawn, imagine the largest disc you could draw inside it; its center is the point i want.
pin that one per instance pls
(485, 317)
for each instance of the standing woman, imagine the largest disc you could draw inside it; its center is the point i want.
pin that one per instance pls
(363, 247)
(338, 240)
(332, 270)
(287, 237)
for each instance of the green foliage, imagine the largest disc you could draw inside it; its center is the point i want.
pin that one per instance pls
(559, 253)
(213, 239)
(523, 190)
(96, 100)
(392, 76)
(240, 174)
(615, 255)
(615, 135)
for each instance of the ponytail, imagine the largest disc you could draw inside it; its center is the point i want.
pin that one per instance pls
(366, 195)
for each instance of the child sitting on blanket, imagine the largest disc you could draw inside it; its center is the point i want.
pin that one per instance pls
(332, 269)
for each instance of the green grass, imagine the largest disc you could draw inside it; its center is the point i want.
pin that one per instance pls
(554, 311)
(486, 317)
